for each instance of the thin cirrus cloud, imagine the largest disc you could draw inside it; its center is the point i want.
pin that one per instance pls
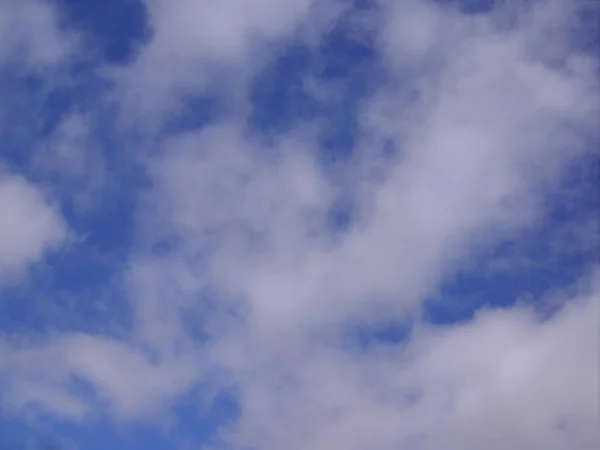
(300, 225)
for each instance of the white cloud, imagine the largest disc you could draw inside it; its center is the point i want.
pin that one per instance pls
(196, 45)
(45, 376)
(30, 34)
(30, 225)
(489, 131)
(252, 281)
(504, 379)
(31, 396)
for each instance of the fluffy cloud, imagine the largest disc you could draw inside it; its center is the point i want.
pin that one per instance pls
(239, 268)
(29, 32)
(506, 378)
(29, 228)
(195, 46)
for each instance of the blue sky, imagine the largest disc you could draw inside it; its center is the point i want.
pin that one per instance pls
(303, 225)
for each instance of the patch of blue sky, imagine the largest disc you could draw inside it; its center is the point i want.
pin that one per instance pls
(279, 98)
(344, 64)
(196, 112)
(104, 434)
(365, 336)
(23, 120)
(352, 65)
(113, 30)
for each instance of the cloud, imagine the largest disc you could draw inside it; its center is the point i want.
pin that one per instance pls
(240, 269)
(30, 225)
(506, 378)
(30, 33)
(193, 49)
(69, 161)
(488, 137)
(108, 372)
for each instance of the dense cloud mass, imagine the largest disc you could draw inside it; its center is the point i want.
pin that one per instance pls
(300, 225)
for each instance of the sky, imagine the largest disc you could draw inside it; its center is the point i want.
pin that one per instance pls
(299, 225)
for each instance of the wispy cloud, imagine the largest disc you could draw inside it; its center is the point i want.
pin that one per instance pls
(246, 264)
(30, 34)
